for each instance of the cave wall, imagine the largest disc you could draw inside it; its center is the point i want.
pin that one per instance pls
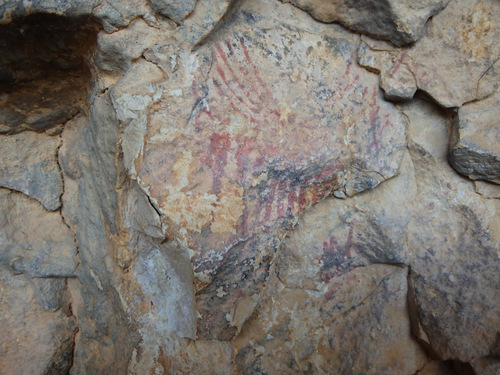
(250, 187)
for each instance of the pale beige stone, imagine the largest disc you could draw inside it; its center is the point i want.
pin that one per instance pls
(29, 165)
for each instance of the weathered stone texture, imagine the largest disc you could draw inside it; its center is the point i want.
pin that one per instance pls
(475, 143)
(452, 273)
(458, 47)
(232, 187)
(35, 172)
(400, 21)
(34, 340)
(238, 189)
(34, 241)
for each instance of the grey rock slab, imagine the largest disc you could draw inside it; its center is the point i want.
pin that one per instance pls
(206, 17)
(116, 14)
(455, 61)
(453, 236)
(117, 51)
(29, 165)
(109, 17)
(475, 143)
(49, 292)
(224, 157)
(400, 21)
(72, 159)
(141, 215)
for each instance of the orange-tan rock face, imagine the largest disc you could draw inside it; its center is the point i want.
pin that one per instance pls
(233, 153)
(232, 187)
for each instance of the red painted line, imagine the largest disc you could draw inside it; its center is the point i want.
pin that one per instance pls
(219, 147)
(223, 94)
(396, 67)
(227, 83)
(256, 72)
(230, 68)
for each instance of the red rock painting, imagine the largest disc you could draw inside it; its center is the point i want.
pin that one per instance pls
(235, 176)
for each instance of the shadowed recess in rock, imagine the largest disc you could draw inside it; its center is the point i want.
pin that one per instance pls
(43, 70)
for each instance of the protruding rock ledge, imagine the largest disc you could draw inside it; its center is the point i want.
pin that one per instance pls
(400, 21)
(475, 142)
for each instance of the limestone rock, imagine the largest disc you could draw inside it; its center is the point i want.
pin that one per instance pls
(458, 47)
(118, 50)
(336, 246)
(34, 341)
(487, 190)
(220, 187)
(328, 278)
(107, 336)
(226, 187)
(176, 10)
(398, 83)
(400, 21)
(356, 323)
(475, 144)
(116, 14)
(29, 165)
(453, 271)
(206, 17)
(489, 82)
(486, 366)
(34, 241)
(72, 159)
(11, 9)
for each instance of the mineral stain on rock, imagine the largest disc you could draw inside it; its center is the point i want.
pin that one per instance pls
(238, 171)
(232, 187)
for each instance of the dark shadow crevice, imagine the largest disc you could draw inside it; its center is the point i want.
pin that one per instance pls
(44, 74)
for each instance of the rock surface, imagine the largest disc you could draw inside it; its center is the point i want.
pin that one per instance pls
(34, 241)
(400, 21)
(37, 253)
(452, 275)
(458, 48)
(34, 341)
(231, 197)
(36, 173)
(475, 143)
(231, 187)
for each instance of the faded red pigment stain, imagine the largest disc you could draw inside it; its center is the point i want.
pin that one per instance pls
(337, 260)
(336, 257)
(235, 86)
(246, 92)
(271, 149)
(219, 145)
